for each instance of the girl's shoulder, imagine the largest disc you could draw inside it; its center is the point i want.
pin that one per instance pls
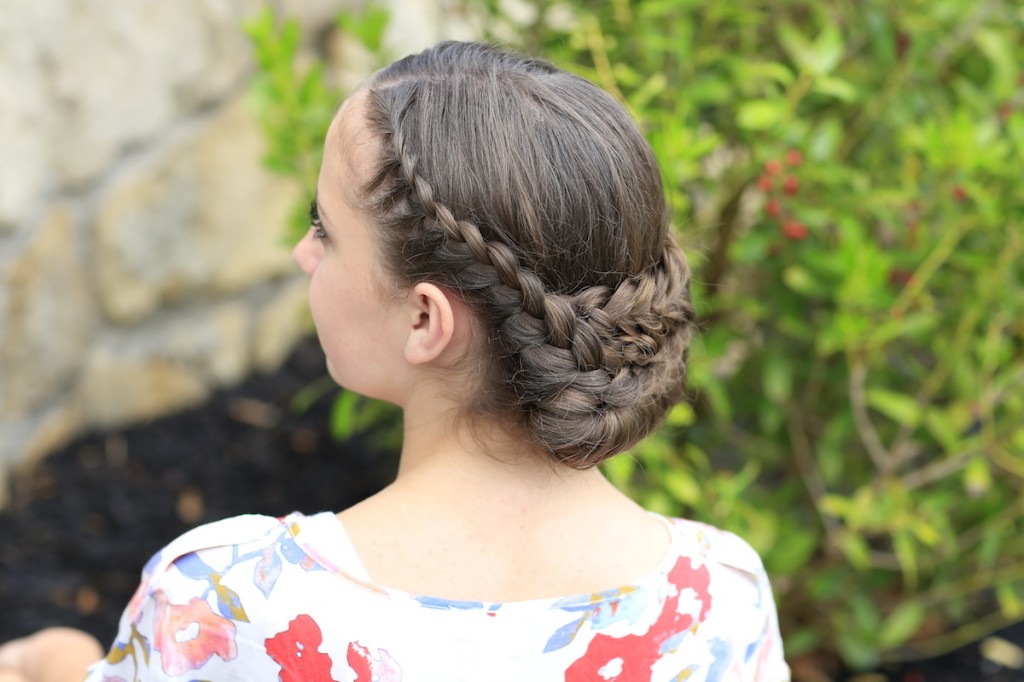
(715, 545)
(229, 532)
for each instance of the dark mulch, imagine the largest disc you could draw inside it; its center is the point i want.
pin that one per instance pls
(78, 530)
(80, 527)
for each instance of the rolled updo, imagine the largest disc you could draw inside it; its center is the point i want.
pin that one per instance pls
(531, 194)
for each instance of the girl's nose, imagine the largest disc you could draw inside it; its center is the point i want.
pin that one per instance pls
(305, 255)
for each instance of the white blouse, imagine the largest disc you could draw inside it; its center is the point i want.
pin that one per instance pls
(257, 598)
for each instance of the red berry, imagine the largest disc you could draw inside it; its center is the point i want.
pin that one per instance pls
(794, 158)
(773, 167)
(791, 186)
(773, 208)
(766, 182)
(794, 229)
(959, 194)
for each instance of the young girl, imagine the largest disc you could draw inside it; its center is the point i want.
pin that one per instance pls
(490, 250)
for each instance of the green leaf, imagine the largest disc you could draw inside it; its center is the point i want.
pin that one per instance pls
(719, 399)
(368, 26)
(802, 640)
(828, 49)
(796, 46)
(946, 424)
(312, 392)
(777, 378)
(842, 90)
(825, 139)
(907, 554)
(915, 324)
(902, 409)
(1008, 595)
(857, 653)
(654, 86)
(865, 613)
(835, 505)
(680, 415)
(977, 477)
(760, 114)
(657, 501)
(800, 280)
(1004, 64)
(619, 470)
(344, 415)
(792, 551)
(925, 532)
(988, 549)
(902, 623)
(755, 72)
(826, 584)
(682, 487)
(855, 548)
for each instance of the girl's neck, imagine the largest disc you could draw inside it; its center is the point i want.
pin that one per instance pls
(475, 514)
(469, 461)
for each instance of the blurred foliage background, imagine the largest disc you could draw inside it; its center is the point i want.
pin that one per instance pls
(846, 180)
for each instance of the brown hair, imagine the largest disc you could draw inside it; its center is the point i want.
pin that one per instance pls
(531, 194)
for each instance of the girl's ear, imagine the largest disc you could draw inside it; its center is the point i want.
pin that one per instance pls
(432, 323)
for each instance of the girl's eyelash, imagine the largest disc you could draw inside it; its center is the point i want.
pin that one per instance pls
(314, 218)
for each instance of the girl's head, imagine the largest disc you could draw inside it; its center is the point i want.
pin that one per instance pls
(530, 195)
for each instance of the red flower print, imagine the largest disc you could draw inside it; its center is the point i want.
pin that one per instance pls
(379, 668)
(632, 657)
(296, 650)
(187, 636)
(134, 609)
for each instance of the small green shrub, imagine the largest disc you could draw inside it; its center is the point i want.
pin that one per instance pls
(846, 179)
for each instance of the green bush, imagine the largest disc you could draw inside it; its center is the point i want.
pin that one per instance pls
(846, 180)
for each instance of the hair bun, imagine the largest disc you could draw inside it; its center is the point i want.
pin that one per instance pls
(584, 415)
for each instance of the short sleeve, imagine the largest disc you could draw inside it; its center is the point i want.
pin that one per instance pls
(182, 619)
(766, 655)
(131, 655)
(763, 659)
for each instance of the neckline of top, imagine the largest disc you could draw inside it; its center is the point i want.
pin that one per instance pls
(322, 537)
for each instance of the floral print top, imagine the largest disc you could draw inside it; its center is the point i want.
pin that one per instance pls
(257, 598)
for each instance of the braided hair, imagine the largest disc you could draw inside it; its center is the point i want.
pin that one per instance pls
(531, 194)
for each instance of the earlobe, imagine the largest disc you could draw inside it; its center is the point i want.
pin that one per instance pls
(432, 323)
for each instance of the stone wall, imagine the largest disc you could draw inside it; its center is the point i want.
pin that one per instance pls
(141, 254)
